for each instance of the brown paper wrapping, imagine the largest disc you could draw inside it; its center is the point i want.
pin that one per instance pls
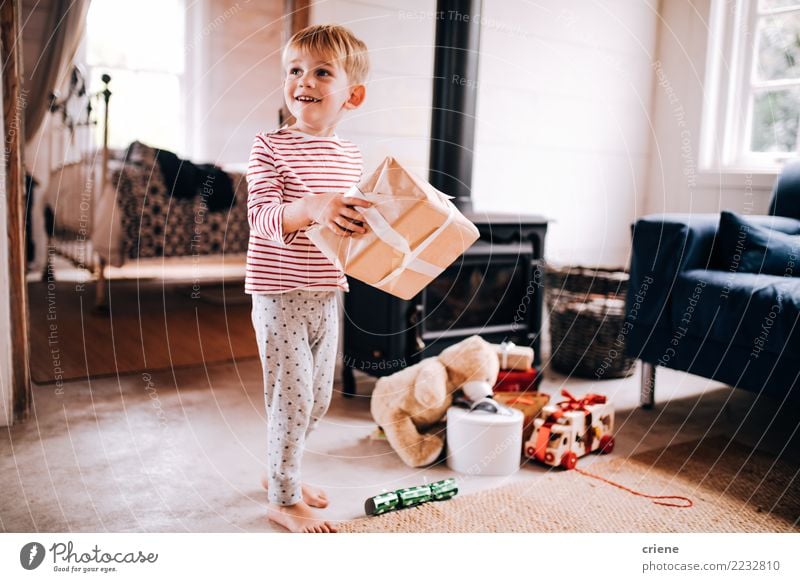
(517, 357)
(414, 209)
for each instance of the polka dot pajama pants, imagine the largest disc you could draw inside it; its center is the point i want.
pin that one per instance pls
(297, 334)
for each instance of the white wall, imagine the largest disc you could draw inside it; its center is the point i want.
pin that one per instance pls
(676, 183)
(564, 97)
(6, 403)
(233, 80)
(572, 120)
(563, 120)
(396, 116)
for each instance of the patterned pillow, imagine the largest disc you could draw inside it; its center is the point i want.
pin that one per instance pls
(141, 155)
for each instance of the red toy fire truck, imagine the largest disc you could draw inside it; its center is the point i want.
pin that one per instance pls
(570, 429)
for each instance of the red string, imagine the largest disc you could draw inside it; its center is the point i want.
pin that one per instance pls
(603, 479)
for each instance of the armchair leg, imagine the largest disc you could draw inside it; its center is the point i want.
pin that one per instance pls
(648, 385)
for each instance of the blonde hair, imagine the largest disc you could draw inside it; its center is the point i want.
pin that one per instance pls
(335, 44)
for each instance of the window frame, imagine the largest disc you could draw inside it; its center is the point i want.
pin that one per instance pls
(182, 77)
(725, 131)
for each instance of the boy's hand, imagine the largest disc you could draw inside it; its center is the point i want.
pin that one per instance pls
(337, 212)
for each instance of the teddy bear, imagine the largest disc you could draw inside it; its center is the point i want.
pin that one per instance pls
(416, 398)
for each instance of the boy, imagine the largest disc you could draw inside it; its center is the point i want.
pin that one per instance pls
(297, 176)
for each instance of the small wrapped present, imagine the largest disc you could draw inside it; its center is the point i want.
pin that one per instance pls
(529, 403)
(414, 234)
(516, 381)
(514, 357)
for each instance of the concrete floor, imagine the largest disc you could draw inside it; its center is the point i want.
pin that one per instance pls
(183, 450)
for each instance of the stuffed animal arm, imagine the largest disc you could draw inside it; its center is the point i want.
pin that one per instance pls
(477, 390)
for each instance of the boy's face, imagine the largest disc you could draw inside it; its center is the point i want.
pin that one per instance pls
(318, 93)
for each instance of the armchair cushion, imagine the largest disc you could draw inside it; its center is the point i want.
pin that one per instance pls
(769, 246)
(757, 312)
(664, 245)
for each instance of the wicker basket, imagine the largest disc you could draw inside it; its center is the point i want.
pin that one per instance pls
(587, 312)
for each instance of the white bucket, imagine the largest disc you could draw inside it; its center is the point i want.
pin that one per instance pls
(484, 443)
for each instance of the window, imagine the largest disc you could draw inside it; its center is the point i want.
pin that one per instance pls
(141, 45)
(752, 106)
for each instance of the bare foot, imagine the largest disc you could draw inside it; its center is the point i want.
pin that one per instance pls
(299, 518)
(313, 496)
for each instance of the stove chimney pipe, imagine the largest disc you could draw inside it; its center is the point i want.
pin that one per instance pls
(455, 89)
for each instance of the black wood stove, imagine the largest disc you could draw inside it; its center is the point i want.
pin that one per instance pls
(496, 288)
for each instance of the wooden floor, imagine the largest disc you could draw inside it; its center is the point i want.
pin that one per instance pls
(149, 326)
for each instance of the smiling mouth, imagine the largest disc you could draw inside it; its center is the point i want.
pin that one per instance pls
(307, 99)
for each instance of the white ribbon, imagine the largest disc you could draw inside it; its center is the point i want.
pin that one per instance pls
(384, 231)
(505, 349)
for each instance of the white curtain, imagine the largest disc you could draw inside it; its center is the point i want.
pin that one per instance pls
(66, 24)
(48, 56)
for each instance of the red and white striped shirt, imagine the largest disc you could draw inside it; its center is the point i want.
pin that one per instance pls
(286, 165)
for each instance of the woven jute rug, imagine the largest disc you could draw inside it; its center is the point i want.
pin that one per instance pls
(732, 487)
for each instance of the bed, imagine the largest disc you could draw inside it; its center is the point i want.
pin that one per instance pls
(111, 207)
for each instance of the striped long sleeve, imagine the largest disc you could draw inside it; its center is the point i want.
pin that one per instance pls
(287, 165)
(265, 203)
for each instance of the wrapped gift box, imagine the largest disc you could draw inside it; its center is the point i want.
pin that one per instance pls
(516, 380)
(528, 403)
(414, 234)
(514, 357)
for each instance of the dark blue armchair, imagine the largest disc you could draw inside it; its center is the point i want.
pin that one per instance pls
(689, 311)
